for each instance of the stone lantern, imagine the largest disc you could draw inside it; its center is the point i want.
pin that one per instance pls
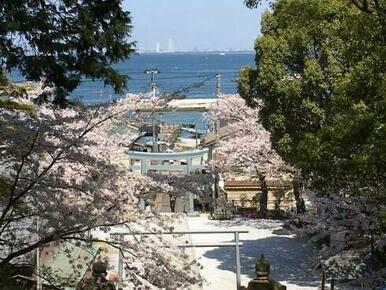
(262, 280)
(98, 280)
(99, 268)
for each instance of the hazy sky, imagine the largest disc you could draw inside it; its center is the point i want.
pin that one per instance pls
(202, 24)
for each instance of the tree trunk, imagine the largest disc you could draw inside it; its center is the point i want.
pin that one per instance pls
(216, 182)
(297, 188)
(264, 196)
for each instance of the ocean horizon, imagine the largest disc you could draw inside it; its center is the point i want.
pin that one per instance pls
(193, 73)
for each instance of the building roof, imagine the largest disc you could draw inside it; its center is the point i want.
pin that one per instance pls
(211, 137)
(254, 184)
(144, 141)
(146, 127)
(241, 184)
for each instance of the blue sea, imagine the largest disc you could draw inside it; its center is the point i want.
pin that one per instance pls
(194, 72)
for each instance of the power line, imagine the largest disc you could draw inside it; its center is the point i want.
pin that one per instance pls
(184, 77)
(162, 78)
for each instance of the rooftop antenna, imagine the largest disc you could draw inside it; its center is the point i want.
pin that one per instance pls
(218, 92)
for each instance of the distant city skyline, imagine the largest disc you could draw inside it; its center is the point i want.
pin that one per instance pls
(200, 25)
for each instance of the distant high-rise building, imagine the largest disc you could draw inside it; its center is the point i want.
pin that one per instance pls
(157, 48)
(171, 45)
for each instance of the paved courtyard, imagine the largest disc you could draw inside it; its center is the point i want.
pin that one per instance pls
(291, 258)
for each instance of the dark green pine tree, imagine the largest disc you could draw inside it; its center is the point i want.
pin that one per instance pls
(62, 41)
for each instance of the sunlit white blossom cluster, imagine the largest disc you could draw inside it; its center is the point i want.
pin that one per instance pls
(248, 148)
(65, 169)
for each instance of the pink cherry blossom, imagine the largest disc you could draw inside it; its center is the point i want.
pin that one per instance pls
(67, 169)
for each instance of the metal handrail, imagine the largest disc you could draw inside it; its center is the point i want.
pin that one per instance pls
(236, 244)
(126, 233)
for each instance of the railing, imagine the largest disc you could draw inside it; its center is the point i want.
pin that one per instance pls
(236, 244)
(161, 161)
(168, 156)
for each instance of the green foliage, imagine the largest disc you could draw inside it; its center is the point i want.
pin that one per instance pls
(367, 6)
(3, 79)
(4, 188)
(243, 199)
(9, 283)
(321, 74)
(61, 41)
(10, 105)
(15, 90)
(252, 3)
(255, 199)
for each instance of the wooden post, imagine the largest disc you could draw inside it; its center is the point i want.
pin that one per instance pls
(323, 282)
(332, 285)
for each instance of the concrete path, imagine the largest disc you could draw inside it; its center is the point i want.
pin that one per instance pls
(291, 258)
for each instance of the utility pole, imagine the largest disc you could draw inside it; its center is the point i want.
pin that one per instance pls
(218, 92)
(217, 127)
(196, 134)
(218, 85)
(152, 73)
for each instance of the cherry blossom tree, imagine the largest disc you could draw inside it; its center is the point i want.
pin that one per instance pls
(199, 183)
(65, 170)
(350, 229)
(248, 149)
(351, 235)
